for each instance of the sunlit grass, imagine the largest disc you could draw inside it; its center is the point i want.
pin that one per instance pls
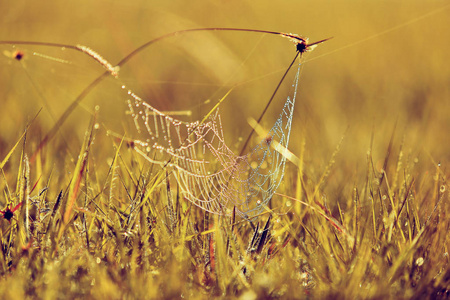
(101, 229)
(363, 212)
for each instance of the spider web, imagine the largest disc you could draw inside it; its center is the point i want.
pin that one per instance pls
(208, 172)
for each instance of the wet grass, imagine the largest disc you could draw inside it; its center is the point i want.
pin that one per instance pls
(110, 232)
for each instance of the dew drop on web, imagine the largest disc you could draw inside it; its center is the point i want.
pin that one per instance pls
(209, 173)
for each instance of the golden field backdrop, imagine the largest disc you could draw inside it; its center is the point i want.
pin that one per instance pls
(384, 76)
(366, 87)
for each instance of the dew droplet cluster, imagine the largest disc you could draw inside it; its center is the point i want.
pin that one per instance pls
(208, 172)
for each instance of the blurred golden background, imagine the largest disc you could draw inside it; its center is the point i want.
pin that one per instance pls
(387, 64)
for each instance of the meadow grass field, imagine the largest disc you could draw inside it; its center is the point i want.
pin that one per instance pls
(90, 210)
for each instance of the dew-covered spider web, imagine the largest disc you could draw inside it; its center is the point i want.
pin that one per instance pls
(208, 172)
